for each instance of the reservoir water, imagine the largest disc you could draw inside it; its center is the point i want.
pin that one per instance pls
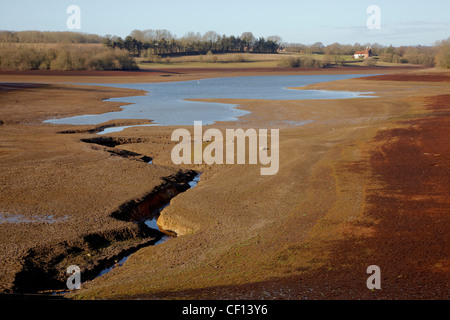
(165, 103)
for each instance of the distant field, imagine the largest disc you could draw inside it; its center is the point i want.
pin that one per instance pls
(227, 60)
(233, 60)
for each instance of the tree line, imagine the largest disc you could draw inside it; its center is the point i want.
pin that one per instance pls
(162, 43)
(436, 55)
(151, 43)
(49, 37)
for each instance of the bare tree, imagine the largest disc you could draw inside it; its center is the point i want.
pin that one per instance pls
(248, 37)
(277, 39)
(211, 36)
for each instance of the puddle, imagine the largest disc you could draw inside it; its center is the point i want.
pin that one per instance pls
(118, 264)
(18, 218)
(151, 223)
(195, 181)
(119, 129)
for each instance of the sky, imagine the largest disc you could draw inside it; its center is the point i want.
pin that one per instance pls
(401, 22)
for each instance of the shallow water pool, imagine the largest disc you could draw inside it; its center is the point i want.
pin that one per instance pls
(165, 103)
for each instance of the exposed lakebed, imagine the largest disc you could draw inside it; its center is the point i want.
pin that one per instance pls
(171, 104)
(98, 253)
(151, 222)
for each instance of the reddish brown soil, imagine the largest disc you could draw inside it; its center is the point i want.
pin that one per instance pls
(407, 210)
(412, 77)
(355, 188)
(410, 208)
(412, 239)
(184, 70)
(79, 73)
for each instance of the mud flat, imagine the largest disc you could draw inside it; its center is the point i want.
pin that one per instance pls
(52, 203)
(365, 183)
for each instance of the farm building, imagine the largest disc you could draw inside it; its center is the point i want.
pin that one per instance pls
(363, 54)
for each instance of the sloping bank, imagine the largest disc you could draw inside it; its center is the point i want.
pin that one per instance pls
(44, 267)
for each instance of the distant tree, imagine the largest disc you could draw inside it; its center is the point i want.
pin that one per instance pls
(49, 37)
(138, 35)
(128, 44)
(247, 40)
(390, 50)
(333, 49)
(211, 36)
(316, 47)
(276, 39)
(294, 47)
(442, 58)
(107, 42)
(119, 43)
(163, 34)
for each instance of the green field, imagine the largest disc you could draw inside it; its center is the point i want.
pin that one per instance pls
(237, 60)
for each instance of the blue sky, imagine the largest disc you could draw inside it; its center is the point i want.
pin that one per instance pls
(402, 22)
